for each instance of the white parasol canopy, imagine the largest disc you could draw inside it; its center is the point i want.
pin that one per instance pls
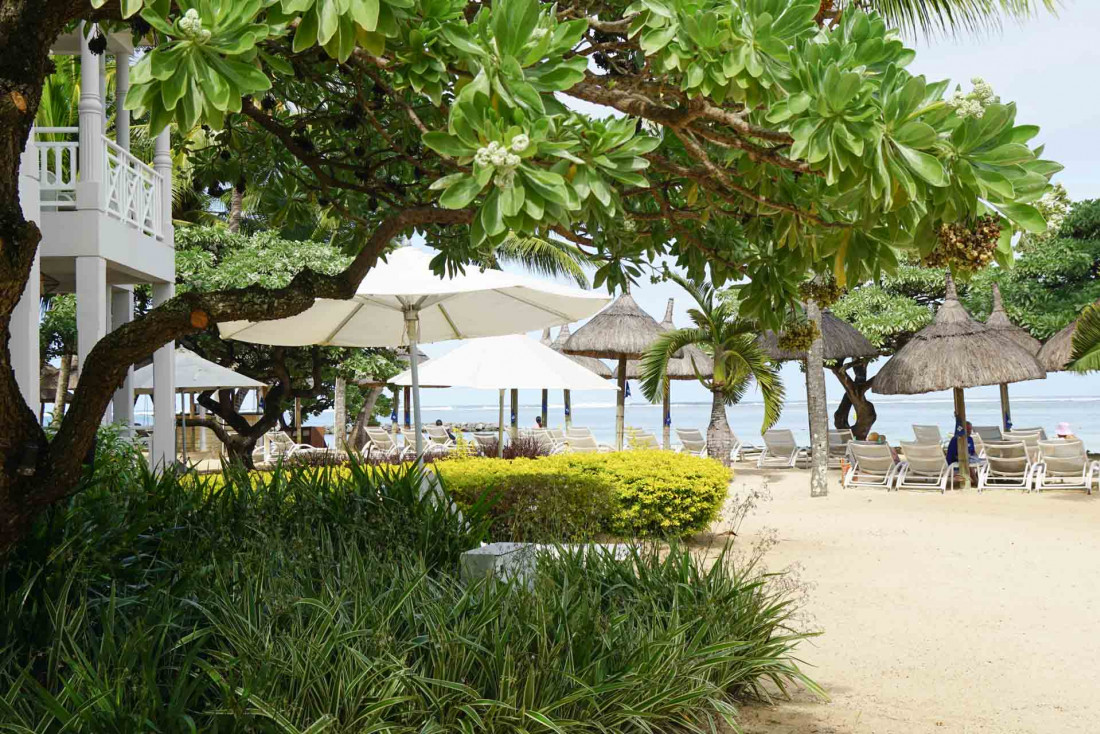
(507, 362)
(502, 362)
(401, 302)
(195, 374)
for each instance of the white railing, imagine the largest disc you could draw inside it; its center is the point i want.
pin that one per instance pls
(57, 165)
(132, 190)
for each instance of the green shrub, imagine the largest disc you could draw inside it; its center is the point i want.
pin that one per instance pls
(306, 602)
(634, 493)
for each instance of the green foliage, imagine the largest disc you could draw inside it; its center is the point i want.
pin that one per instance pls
(1086, 341)
(883, 313)
(303, 604)
(57, 329)
(729, 339)
(634, 493)
(809, 145)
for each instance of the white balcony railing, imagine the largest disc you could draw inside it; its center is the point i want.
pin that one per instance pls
(131, 190)
(57, 165)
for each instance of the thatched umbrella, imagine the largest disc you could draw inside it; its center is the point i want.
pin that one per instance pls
(840, 340)
(955, 352)
(999, 322)
(683, 366)
(621, 331)
(1057, 353)
(592, 364)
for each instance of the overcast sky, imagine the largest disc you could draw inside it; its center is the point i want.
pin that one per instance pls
(1049, 67)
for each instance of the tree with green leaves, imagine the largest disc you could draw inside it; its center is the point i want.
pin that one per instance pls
(730, 340)
(761, 139)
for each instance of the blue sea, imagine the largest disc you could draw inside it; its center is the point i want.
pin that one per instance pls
(896, 415)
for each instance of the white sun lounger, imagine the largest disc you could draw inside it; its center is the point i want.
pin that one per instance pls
(873, 465)
(587, 445)
(381, 442)
(1008, 465)
(1030, 438)
(780, 450)
(838, 446)
(925, 467)
(1065, 465)
(930, 435)
(644, 440)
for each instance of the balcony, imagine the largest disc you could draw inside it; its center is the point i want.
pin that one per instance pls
(131, 191)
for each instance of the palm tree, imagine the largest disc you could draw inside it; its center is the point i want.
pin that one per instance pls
(1086, 341)
(738, 361)
(944, 16)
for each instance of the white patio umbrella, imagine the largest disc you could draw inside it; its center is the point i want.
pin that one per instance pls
(514, 362)
(195, 374)
(401, 302)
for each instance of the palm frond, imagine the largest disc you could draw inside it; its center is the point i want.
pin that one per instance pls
(550, 257)
(948, 17)
(1086, 341)
(655, 361)
(742, 359)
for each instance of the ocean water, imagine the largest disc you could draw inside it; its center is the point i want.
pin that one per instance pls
(896, 415)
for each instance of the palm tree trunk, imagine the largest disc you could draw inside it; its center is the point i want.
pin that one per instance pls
(719, 435)
(236, 208)
(340, 415)
(817, 407)
(62, 390)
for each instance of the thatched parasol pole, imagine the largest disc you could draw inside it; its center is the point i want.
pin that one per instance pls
(408, 407)
(396, 413)
(1006, 408)
(514, 419)
(620, 404)
(961, 439)
(568, 409)
(666, 419)
(546, 342)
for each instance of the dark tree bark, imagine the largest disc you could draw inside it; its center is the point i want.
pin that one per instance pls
(358, 432)
(856, 387)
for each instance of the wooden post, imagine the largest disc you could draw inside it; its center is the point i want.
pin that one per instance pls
(963, 444)
(568, 409)
(1006, 409)
(620, 404)
(500, 427)
(408, 406)
(340, 415)
(666, 418)
(396, 412)
(514, 420)
(545, 408)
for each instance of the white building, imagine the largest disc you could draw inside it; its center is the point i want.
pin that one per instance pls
(106, 221)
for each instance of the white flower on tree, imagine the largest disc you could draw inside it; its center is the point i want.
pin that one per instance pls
(191, 24)
(974, 103)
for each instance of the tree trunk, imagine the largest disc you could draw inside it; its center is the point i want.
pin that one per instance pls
(817, 407)
(61, 393)
(358, 431)
(236, 208)
(719, 435)
(856, 389)
(340, 415)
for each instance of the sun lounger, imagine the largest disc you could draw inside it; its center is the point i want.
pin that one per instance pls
(692, 441)
(1007, 466)
(1036, 429)
(1030, 438)
(873, 465)
(380, 442)
(781, 451)
(487, 442)
(1064, 464)
(925, 467)
(440, 442)
(838, 446)
(644, 440)
(581, 444)
(987, 433)
(929, 435)
(546, 438)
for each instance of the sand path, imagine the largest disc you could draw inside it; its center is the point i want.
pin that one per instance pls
(958, 613)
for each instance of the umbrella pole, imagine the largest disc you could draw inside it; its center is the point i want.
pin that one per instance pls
(666, 418)
(414, 364)
(568, 410)
(514, 422)
(408, 407)
(963, 447)
(396, 412)
(500, 427)
(298, 418)
(1006, 409)
(183, 424)
(620, 404)
(545, 407)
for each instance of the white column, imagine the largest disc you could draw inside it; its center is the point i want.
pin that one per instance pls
(91, 305)
(24, 319)
(164, 392)
(122, 86)
(122, 312)
(102, 58)
(162, 164)
(90, 109)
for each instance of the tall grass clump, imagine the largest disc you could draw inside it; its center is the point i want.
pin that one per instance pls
(316, 599)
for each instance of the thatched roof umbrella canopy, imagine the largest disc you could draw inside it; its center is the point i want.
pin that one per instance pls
(840, 339)
(47, 383)
(999, 322)
(590, 363)
(621, 331)
(952, 353)
(1057, 353)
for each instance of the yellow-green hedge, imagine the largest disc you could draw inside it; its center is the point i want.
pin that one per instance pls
(644, 493)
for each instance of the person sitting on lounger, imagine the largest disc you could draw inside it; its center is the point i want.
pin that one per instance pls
(953, 453)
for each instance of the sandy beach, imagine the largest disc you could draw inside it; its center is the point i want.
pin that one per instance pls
(940, 613)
